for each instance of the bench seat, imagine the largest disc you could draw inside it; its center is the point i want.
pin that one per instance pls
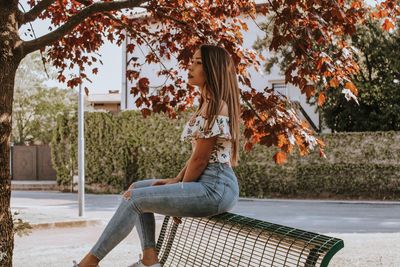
(229, 239)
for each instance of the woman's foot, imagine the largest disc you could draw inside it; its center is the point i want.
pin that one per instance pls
(75, 264)
(88, 261)
(140, 263)
(150, 256)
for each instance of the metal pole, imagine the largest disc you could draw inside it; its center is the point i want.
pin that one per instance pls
(81, 153)
(124, 77)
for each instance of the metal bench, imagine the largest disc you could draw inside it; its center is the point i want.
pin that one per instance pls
(229, 239)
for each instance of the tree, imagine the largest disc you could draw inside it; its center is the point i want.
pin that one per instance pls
(36, 106)
(328, 59)
(31, 73)
(378, 81)
(80, 26)
(35, 113)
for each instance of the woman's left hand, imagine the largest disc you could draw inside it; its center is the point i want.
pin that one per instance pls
(165, 181)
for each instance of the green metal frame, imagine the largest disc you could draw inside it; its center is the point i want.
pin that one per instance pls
(262, 243)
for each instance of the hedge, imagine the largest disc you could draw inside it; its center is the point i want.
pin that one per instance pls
(123, 148)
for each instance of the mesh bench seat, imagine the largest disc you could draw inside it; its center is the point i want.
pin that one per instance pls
(229, 239)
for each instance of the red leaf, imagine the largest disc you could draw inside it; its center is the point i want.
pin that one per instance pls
(143, 84)
(387, 25)
(248, 146)
(351, 87)
(280, 157)
(321, 99)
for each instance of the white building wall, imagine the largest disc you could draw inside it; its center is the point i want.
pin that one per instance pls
(259, 80)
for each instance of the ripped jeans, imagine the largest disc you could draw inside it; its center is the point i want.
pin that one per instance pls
(216, 191)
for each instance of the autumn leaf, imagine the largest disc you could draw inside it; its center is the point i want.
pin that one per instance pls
(387, 25)
(334, 82)
(309, 89)
(351, 87)
(321, 99)
(143, 84)
(280, 157)
(145, 112)
(248, 146)
(281, 140)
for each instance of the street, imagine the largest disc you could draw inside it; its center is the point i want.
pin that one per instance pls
(317, 216)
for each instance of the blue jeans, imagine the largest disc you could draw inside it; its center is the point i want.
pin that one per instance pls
(216, 191)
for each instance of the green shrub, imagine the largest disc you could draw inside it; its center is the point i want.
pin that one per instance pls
(124, 148)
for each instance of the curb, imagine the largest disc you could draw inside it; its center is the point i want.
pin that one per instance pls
(374, 202)
(62, 224)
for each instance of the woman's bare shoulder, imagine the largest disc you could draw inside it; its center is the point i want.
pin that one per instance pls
(223, 110)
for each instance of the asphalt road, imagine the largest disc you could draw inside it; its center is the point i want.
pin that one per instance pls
(313, 215)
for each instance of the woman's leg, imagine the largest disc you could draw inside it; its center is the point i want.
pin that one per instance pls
(146, 231)
(146, 227)
(146, 224)
(189, 199)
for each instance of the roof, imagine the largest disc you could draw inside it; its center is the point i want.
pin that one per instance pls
(104, 98)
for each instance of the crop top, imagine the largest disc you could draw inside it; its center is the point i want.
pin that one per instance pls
(194, 129)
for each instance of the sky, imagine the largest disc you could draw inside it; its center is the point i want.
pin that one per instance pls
(109, 76)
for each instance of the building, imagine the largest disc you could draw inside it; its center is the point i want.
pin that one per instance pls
(275, 79)
(110, 101)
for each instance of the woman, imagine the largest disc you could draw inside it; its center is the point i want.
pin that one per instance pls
(207, 184)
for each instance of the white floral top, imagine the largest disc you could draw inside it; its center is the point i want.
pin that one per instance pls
(194, 129)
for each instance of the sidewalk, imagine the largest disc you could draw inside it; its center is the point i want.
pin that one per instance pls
(61, 236)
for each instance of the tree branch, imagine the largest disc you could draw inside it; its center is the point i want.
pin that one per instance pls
(32, 14)
(98, 7)
(85, 2)
(369, 67)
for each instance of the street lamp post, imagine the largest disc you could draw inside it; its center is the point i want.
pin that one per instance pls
(81, 152)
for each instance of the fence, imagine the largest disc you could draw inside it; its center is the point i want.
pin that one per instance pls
(31, 163)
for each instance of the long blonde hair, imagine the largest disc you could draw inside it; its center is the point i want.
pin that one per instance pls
(221, 84)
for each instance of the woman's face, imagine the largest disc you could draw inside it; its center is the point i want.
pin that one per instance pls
(196, 74)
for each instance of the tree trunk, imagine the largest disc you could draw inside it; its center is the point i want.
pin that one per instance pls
(10, 56)
(7, 75)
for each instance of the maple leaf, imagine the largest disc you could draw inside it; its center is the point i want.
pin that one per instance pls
(248, 146)
(351, 87)
(280, 157)
(309, 89)
(334, 82)
(321, 99)
(387, 25)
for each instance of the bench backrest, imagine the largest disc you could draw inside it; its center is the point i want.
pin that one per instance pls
(229, 239)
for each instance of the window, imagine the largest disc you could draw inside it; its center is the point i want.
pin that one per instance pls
(280, 87)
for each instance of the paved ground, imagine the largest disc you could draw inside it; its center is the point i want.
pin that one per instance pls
(313, 215)
(370, 230)
(57, 247)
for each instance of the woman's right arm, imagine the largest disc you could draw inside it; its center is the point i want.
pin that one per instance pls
(181, 174)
